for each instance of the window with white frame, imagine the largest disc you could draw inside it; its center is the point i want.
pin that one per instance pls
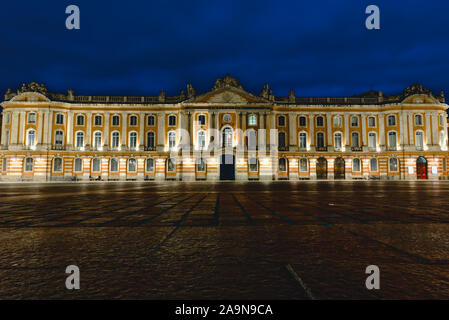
(80, 120)
(303, 140)
(337, 121)
(227, 136)
(78, 165)
(151, 121)
(371, 121)
(31, 117)
(31, 138)
(393, 164)
(442, 138)
(302, 121)
(114, 165)
(96, 165)
(252, 139)
(97, 139)
(356, 164)
(337, 140)
(418, 120)
(282, 165)
(320, 139)
(372, 140)
(4, 164)
(392, 139)
(59, 137)
(133, 121)
(57, 165)
(150, 139)
(303, 165)
(201, 139)
(373, 164)
(59, 118)
(354, 121)
(171, 139)
(319, 121)
(252, 120)
(132, 165)
(202, 120)
(171, 165)
(200, 165)
(115, 120)
(115, 141)
(281, 139)
(281, 121)
(133, 139)
(98, 120)
(79, 139)
(419, 139)
(29, 164)
(149, 165)
(355, 141)
(6, 138)
(172, 120)
(391, 120)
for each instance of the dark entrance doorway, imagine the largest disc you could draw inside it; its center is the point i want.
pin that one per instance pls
(339, 168)
(421, 168)
(321, 168)
(227, 167)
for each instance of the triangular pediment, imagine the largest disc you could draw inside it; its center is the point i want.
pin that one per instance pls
(229, 95)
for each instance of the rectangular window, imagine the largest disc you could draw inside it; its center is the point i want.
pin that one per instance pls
(5, 162)
(252, 164)
(32, 118)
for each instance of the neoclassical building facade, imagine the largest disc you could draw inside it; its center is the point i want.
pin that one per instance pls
(224, 134)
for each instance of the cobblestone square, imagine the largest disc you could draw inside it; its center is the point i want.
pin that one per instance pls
(225, 240)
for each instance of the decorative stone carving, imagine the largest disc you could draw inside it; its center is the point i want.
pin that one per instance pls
(190, 91)
(264, 92)
(34, 87)
(161, 97)
(416, 89)
(182, 95)
(227, 81)
(291, 97)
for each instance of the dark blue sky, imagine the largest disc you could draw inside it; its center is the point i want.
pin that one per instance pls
(140, 47)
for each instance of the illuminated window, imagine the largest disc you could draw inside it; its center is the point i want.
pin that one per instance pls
(57, 165)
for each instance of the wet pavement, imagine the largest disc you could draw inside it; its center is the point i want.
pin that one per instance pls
(225, 240)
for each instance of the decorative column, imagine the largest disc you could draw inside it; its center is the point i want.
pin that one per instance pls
(346, 142)
(329, 130)
(106, 130)
(141, 132)
(364, 141)
(22, 127)
(160, 131)
(292, 132)
(124, 133)
(69, 128)
(381, 131)
(88, 129)
(311, 126)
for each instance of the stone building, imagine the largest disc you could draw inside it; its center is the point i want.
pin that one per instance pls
(224, 134)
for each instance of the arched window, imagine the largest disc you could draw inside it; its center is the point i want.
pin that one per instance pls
(391, 120)
(282, 164)
(372, 140)
(57, 165)
(319, 121)
(29, 164)
(31, 138)
(320, 139)
(98, 120)
(418, 120)
(132, 165)
(356, 164)
(151, 121)
(227, 137)
(252, 120)
(393, 164)
(59, 137)
(302, 121)
(200, 165)
(419, 139)
(337, 121)
(202, 120)
(303, 165)
(171, 165)
(252, 139)
(171, 139)
(337, 140)
(97, 139)
(172, 120)
(371, 121)
(79, 139)
(96, 165)
(201, 139)
(132, 139)
(302, 140)
(115, 141)
(133, 121)
(253, 167)
(59, 118)
(392, 139)
(31, 117)
(149, 165)
(114, 165)
(373, 164)
(281, 121)
(78, 165)
(354, 121)
(80, 120)
(355, 139)
(281, 139)
(150, 139)
(116, 120)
